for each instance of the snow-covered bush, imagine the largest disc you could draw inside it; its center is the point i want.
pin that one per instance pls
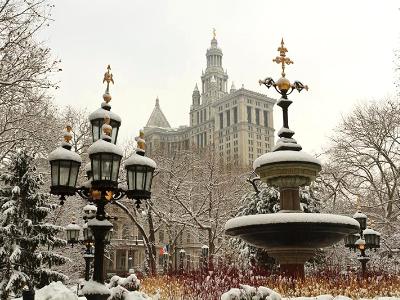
(55, 291)
(131, 283)
(246, 292)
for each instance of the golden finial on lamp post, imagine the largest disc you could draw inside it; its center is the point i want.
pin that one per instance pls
(68, 134)
(283, 86)
(108, 77)
(282, 59)
(140, 141)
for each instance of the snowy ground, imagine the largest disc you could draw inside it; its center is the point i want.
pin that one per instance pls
(58, 291)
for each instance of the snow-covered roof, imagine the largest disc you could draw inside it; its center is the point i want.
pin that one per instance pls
(284, 156)
(278, 218)
(90, 207)
(101, 112)
(64, 154)
(104, 146)
(72, 226)
(359, 215)
(100, 223)
(360, 242)
(136, 159)
(370, 231)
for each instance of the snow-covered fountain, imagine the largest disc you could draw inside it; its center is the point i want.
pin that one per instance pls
(290, 236)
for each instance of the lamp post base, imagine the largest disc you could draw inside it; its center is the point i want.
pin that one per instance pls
(28, 295)
(97, 296)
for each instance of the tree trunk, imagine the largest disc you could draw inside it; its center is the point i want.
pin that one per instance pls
(152, 244)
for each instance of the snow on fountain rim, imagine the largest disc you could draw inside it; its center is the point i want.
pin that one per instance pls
(284, 156)
(279, 218)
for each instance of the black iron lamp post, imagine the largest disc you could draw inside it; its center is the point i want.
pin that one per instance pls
(367, 238)
(103, 186)
(182, 256)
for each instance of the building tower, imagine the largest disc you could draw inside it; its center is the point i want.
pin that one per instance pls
(214, 71)
(196, 96)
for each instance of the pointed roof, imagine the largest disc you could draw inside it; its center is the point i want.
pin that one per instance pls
(233, 88)
(196, 88)
(157, 117)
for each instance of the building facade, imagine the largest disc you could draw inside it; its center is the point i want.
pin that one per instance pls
(237, 123)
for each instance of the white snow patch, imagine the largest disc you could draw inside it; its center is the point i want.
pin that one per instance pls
(92, 287)
(72, 226)
(63, 154)
(100, 223)
(136, 159)
(278, 218)
(55, 291)
(284, 156)
(101, 112)
(103, 146)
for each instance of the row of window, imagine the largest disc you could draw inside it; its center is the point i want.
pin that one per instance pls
(257, 118)
(227, 105)
(228, 119)
(257, 103)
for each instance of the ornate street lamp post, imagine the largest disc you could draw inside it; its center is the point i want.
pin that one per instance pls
(367, 238)
(103, 185)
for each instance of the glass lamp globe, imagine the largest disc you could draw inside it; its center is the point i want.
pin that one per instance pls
(105, 160)
(139, 174)
(72, 231)
(362, 219)
(64, 168)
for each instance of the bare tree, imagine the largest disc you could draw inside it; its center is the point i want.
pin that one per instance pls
(25, 75)
(194, 191)
(363, 162)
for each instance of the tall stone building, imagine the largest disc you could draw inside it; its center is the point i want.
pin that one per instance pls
(237, 123)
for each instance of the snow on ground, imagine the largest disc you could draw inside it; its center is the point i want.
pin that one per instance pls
(263, 293)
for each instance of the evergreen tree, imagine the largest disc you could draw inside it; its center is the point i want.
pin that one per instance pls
(26, 240)
(265, 200)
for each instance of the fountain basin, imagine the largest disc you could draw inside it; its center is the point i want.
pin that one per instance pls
(285, 231)
(287, 168)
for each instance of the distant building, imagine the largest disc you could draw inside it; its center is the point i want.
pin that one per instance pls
(238, 123)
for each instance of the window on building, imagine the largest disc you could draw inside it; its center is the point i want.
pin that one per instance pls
(248, 114)
(265, 118)
(228, 118)
(221, 120)
(161, 235)
(198, 117)
(201, 116)
(257, 116)
(235, 115)
(125, 232)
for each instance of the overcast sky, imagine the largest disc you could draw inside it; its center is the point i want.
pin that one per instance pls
(344, 51)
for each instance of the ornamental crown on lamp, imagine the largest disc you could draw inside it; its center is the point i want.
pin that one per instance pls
(96, 118)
